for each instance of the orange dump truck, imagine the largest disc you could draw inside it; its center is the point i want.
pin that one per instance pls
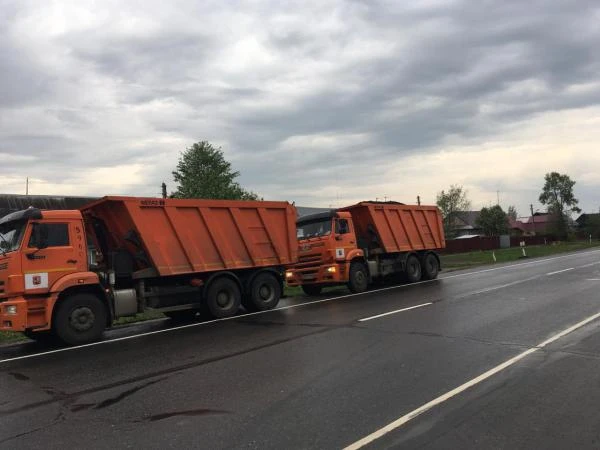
(71, 273)
(364, 242)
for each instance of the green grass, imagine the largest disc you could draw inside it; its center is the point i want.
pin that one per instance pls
(449, 262)
(8, 337)
(141, 317)
(479, 258)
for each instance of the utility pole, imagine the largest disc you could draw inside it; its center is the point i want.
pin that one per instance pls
(27, 186)
(419, 200)
(498, 198)
(164, 190)
(532, 218)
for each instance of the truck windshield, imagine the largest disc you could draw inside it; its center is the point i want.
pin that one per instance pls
(313, 228)
(11, 235)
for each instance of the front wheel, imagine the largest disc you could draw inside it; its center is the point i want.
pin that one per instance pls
(79, 319)
(359, 279)
(223, 298)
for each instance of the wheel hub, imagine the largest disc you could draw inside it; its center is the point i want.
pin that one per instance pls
(265, 292)
(82, 318)
(223, 299)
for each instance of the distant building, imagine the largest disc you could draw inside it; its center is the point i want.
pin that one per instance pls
(539, 224)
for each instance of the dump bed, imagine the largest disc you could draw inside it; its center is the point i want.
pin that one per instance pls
(174, 236)
(394, 227)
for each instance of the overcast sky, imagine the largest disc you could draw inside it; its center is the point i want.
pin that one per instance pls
(318, 102)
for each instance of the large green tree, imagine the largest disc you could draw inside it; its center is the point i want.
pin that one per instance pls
(203, 172)
(493, 221)
(452, 203)
(557, 194)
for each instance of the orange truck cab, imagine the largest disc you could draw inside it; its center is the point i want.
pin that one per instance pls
(361, 243)
(71, 273)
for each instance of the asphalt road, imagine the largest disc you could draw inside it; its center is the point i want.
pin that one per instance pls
(503, 357)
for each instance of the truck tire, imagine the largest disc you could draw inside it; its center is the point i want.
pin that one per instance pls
(265, 292)
(358, 278)
(79, 319)
(431, 267)
(413, 269)
(312, 289)
(223, 298)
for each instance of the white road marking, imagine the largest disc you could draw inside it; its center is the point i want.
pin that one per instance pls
(590, 265)
(501, 286)
(454, 392)
(593, 279)
(516, 266)
(341, 297)
(394, 312)
(560, 271)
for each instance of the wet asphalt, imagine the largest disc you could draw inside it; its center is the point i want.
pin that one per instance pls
(313, 375)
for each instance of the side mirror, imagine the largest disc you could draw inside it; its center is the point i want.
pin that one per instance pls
(39, 236)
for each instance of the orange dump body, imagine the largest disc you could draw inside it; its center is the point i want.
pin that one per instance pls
(393, 227)
(190, 236)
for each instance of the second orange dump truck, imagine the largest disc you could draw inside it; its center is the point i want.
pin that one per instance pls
(361, 243)
(72, 273)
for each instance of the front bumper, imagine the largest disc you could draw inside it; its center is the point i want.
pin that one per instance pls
(328, 273)
(29, 314)
(10, 321)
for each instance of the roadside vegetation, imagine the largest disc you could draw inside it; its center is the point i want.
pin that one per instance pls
(478, 258)
(449, 263)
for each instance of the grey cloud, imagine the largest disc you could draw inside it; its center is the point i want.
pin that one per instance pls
(468, 57)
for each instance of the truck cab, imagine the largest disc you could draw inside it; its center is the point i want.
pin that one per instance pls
(327, 246)
(360, 243)
(43, 257)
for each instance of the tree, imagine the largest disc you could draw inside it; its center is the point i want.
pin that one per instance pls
(493, 221)
(451, 204)
(512, 212)
(203, 172)
(557, 194)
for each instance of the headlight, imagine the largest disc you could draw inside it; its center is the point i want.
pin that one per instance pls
(289, 274)
(331, 269)
(10, 309)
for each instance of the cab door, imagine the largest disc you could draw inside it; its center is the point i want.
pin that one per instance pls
(345, 238)
(42, 267)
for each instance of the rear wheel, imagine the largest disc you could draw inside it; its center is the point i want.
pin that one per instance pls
(359, 279)
(223, 298)
(265, 292)
(431, 267)
(413, 269)
(311, 289)
(79, 319)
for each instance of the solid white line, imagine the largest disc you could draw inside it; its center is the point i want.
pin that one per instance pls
(589, 265)
(341, 297)
(394, 312)
(560, 271)
(448, 395)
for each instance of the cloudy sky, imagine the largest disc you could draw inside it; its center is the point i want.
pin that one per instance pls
(319, 102)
